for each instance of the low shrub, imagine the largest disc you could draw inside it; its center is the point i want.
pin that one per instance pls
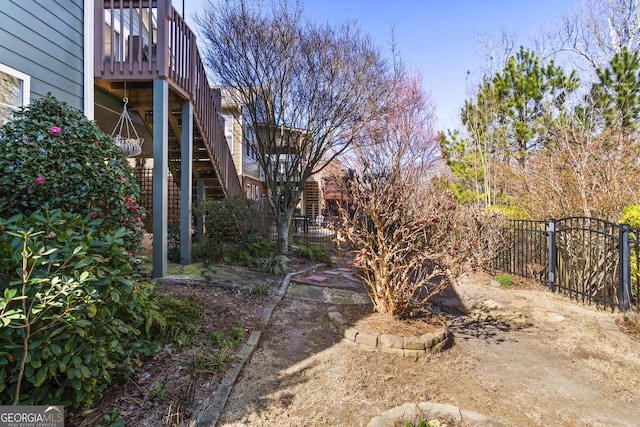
(504, 279)
(314, 253)
(276, 264)
(74, 310)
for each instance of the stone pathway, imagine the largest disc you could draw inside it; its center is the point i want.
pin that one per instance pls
(482, 316)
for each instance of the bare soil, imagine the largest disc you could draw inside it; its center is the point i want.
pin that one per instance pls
(521, 355)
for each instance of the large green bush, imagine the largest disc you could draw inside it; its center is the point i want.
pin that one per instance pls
(50, 154)
(74, 311)
(229, 234)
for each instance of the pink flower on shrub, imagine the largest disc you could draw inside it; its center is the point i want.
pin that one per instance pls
(138, 219)
(123, 179)
(125, 219)
(134, 207)
(94, 214)
(128, 201)
(39, 180)
(54, 130)
(96, 143)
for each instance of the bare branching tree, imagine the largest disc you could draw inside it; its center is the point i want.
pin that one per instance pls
(408, 235)
(584, 171)
(301, 84)
(592, 34)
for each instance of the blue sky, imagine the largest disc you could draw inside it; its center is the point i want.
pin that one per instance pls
(437, 37)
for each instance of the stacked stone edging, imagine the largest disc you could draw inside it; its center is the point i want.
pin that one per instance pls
(407, 346)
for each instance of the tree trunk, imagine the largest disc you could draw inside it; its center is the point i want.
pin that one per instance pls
(282, 227)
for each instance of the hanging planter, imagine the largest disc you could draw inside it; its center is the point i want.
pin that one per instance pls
(125, 135)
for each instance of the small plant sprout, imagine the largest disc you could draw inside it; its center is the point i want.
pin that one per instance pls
(262, 290)
(237, 334)
(504, 279)
(114, 419)
(159, 390)
(217, 337)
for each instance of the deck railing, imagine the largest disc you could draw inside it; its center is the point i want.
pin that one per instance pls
(143, 40)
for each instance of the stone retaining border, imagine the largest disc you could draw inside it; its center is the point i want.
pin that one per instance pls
(410, 346)
(415, 411)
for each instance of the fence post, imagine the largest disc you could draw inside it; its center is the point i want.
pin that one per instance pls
(552, 255)
(625, 268)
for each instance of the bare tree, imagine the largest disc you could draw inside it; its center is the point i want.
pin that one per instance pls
(302, 86)
(406, 231)
(585, 171)
(592, 34)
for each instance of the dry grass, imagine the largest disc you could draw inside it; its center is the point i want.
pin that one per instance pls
(630, 325)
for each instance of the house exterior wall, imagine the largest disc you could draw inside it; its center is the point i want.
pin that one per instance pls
(45, 40)
(248, 169)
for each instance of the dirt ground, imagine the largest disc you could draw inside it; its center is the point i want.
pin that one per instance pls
(552, 367)
(521, 355)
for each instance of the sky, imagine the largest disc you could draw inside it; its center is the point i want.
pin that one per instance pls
(438, 38)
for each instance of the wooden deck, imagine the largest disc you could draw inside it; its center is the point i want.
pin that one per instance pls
(139, 41)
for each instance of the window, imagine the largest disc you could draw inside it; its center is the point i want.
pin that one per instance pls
(228, 130)
(249, 136)
(14, 91)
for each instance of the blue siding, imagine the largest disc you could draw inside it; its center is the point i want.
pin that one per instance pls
(44, 39)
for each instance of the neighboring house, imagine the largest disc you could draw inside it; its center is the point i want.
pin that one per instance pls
(240, 135)
(92, 54)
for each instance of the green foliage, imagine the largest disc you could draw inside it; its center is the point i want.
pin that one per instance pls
(217, 336)
(179, 318)
(504, 279)
(528, 92)
(262, 290)
(314, 253)
(173, 241)
(114, 419)
(505, 123)
(509, 211)
(88, 315)
(631, 216)
(50, 155)
(616, 95)
(237, 333)
(276, 264)
(212, 361)
(159, 390)
(227, 220)
(251, 251)
(228, 235)
(220, 357)
(468, 164)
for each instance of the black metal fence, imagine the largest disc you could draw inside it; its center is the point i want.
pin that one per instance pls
(319, 231)
(590, 260)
